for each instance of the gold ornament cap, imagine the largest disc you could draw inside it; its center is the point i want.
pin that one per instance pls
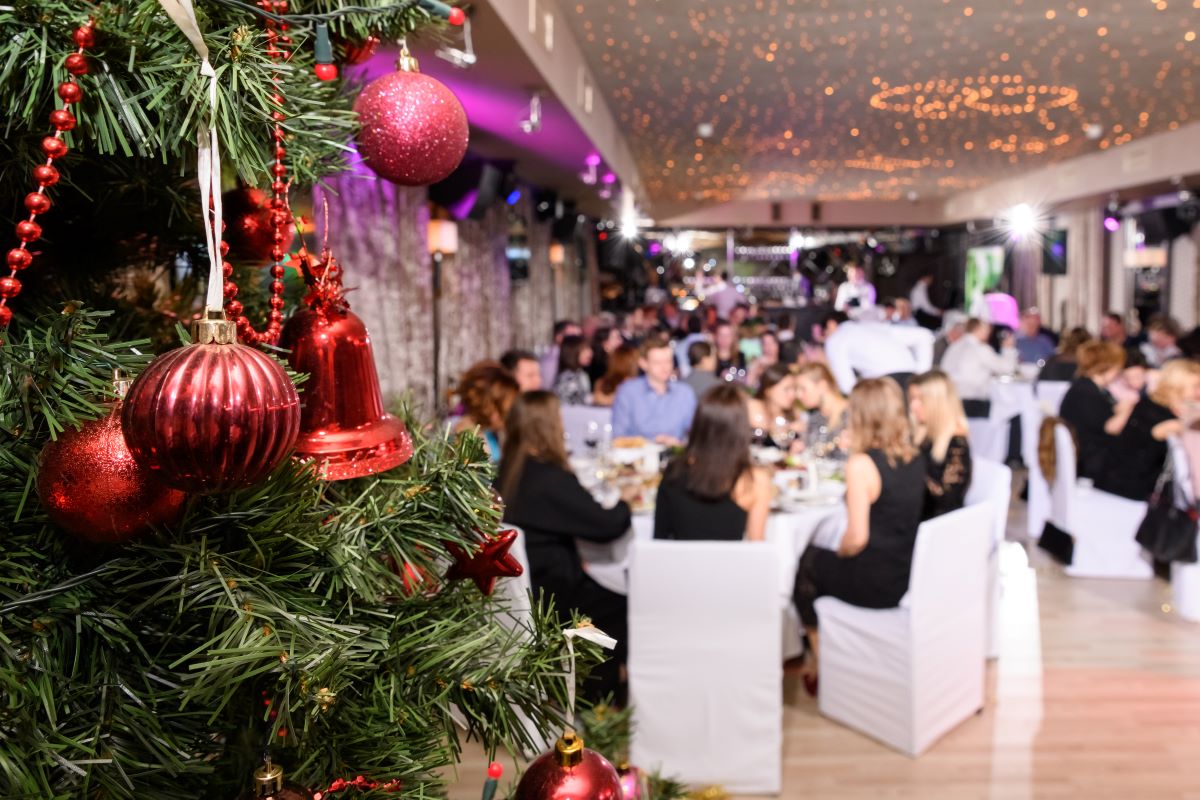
(214, 328)
(268, 779)
(569, 750)
(407, 62)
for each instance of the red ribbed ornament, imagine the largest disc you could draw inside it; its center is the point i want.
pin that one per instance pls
(212, 416)
(343, 425)
(570, 772)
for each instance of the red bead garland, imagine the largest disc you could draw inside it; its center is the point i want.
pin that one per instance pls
(281, 213)
(46, 175)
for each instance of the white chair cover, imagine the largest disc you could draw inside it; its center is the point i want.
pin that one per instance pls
(705, 672)
(989, 439)
(575, 423)
(992, 483)
(1185, 578)
(1103, 525)
(906, 676)
(1050, 395)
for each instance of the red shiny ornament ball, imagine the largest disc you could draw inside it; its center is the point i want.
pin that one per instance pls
(230, 289)
(278, 270)
(234, 309)
(45, 175)
(62, 119)
(326, 72)
(457, 16)
(10, 287)
(37, 203)
(413, 130)
(248, 219)
(549, 777)
(54, 147)
(279, 170)
(84, 36)
(28, 231)
(19, 258)
(277, 254)
(209, 418)
(5, 316)
(76, 64)
(495, 770)
(91, 486)
(70, 92)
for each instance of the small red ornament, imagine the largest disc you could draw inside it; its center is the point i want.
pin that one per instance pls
(28, 231)
(37, 203)
(6, 315)
(569, 772)
(358, 52)
(9, 287)
(84, 36)
(70, 92)
(413, 130)
(212, 416)
(91, 486)
(326, 72)
(45, 175)
(54, 147)
(457, 16)
(248, 225)
(62, 119)
(19, 258)
(633, 783)
(491, 561)
(76, 64)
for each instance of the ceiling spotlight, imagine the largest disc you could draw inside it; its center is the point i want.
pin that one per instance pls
(704, 130)
(1093, 130)
(463, 58)
(1022, 221)
(533, 123)
(629, 227)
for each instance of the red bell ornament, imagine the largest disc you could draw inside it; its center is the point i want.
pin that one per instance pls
(343, 425)
(570, 772)
(412, 129)
(213, 416)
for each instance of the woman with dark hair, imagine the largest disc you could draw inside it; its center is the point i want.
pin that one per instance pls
(545, 499)
(622, 366)
(605, 342)
(572, 384)
(730, 359)
(1063, 365)
(773, 417)
(487, 391)
(713, 490)
(1096, 418)
(769, 342)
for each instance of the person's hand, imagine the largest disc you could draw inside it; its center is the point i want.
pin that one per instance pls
(1124, 406)
(667, 441)
(630, 493)
(1008, 339)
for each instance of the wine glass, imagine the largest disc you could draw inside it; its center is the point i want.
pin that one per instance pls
(592, 437)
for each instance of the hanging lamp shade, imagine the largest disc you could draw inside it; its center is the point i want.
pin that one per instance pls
(343, 425)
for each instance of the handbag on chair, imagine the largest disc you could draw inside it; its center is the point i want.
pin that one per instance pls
(1168, 532)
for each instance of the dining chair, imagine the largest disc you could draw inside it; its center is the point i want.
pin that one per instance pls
(906, 676)
(991, 482)
(1185, 578)
(705, 666)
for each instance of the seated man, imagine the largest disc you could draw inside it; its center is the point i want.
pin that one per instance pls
(971, 364)
(654, 406)
(525, 367)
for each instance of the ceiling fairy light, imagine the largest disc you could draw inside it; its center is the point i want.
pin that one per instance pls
(1022, 222)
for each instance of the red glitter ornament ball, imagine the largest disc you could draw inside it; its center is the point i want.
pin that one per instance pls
(413, 130)
(248, 225)
(570, 772)
(91, 486)
(212, 416)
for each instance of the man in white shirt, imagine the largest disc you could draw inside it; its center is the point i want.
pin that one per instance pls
(926, 313)
(971, 364)
(874, 350)
(855, 294)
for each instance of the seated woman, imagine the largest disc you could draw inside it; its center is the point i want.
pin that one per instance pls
(544, 498)
(769, 342)
(1091, 411)
(487, 390)
(940, 431)
(1137, 455)
(622, 366)
(885, 494)
(773, 415)
(1064, 364)
(818, 392)
(713, 491)
(571, 382)
(1132, 382)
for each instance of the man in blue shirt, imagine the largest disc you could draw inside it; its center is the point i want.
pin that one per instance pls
(654, 406)
(1033, 344)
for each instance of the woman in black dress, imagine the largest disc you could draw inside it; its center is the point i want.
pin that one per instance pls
(545, 499)
(885, 493)
(940, 431)
(713, 491)
(1091, 411)
(1139, 453)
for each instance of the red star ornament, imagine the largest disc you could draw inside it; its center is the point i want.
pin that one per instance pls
(491, 561)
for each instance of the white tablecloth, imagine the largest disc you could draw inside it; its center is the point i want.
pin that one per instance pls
(1015, 398)
(787, 531)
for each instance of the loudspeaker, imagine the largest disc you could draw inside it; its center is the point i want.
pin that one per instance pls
(470, 190)
(1054, 253)
(816, 212)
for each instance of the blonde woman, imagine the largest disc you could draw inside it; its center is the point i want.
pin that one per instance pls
(1138, 453)
(940, 431)
(885, 494)
(818, 393)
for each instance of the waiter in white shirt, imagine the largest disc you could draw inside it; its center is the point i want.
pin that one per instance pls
(928, 315)
(856, 294)
(869, 348)
(971, 364)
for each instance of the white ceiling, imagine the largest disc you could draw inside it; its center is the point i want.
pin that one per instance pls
(845, 99)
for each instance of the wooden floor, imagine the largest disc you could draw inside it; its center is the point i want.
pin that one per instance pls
(1097, 695)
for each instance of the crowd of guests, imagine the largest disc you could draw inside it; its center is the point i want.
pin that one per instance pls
(862, 387)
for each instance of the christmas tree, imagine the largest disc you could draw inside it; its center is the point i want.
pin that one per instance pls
(296, 618)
